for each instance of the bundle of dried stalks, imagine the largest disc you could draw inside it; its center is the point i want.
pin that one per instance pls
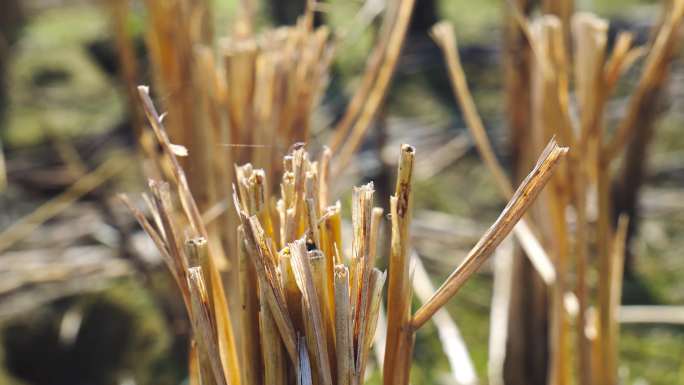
(584, 180)
(310, 292)
(307, 314)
